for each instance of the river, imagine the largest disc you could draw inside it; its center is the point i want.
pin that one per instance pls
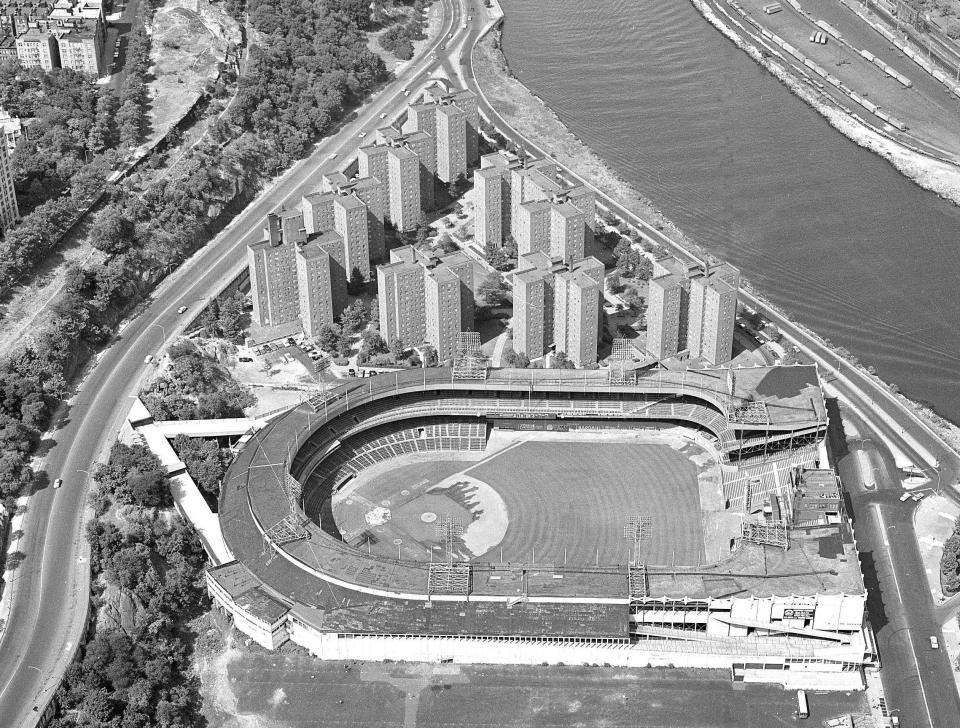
(829, 232)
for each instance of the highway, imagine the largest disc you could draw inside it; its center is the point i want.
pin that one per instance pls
(47, 618)
(51, 587)
(918, 681)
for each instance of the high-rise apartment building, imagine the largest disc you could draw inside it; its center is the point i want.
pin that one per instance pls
(452, 119)
(425, 298)
(451, 142)
(535, 192)
(350, 221)
(372, 192)
(9, 213)
(557, 305)
(567, 223)
(664, 302)
(492, 198)
(321, 282)
(424, 146)
(576, 311)
(403, 171)
(273, 277)
(691, 310)
(532, 227)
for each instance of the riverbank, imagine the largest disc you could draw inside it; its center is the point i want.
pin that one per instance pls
(534, 120)
(939, 177)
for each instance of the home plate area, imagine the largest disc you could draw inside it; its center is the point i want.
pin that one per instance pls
(412, 522)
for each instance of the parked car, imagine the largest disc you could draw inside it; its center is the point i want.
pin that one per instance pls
(181, 310)
(383, 116)
(58, 482)
(148, 358)
(245, 359)
(333, 155)
(905, 497)
(934, 643)
(919, 496)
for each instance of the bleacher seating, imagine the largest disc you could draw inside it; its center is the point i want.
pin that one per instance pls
(384, 442)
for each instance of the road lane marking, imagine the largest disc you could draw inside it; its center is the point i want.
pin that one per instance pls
(896, 583)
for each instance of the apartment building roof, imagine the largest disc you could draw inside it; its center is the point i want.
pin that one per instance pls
(401, 153)
(334, 179)
(365, 183)
(536, 259)
(316, 244)
(443, 274)
(545, 182)
(567, 209)
(535, 206)
(530, 275)
(450, 110)
(350, 202)
(499, 160)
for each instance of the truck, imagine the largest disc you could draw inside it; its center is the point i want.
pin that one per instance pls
(803, 709)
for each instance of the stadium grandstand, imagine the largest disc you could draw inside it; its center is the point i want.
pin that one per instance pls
(770, 588)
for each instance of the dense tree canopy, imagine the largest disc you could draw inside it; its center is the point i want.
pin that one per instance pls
(312, 63)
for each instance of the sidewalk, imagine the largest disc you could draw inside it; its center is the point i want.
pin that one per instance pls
(933, 522)
(9, 580)
(934, 518)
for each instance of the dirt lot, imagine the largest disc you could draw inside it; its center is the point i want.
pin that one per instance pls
(186, 46)
(250, 688)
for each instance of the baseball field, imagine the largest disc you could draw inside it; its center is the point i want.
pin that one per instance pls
(550, 499)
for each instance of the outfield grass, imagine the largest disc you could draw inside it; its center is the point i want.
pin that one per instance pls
(575, 497)
(565, 501)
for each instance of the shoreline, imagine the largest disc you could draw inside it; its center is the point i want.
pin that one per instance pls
(534, 119)
(941, 178)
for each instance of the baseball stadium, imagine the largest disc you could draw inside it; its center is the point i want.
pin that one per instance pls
(477, 515)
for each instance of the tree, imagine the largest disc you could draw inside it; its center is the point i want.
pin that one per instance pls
(398, 349)
(493, 289)
(430, 357)
(329, 338)
(230, 317)
(112, 232)
(447, 244)
(353, 318)
(517, 360)
(497, 257)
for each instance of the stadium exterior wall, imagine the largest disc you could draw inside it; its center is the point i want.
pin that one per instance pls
(378, 648)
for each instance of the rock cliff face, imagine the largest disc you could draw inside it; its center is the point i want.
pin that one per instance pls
(189, 39)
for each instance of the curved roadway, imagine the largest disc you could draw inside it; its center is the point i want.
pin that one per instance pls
(50, 589)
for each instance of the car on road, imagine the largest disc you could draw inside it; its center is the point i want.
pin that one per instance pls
(905, 497)
(332, 155)
(58, 482)
(442, 46)
(449, 36)
(383, 116)
(406, 93)
(464, 26)
(182, 309)
(934, 643)
(148, 358)
(362, 134)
